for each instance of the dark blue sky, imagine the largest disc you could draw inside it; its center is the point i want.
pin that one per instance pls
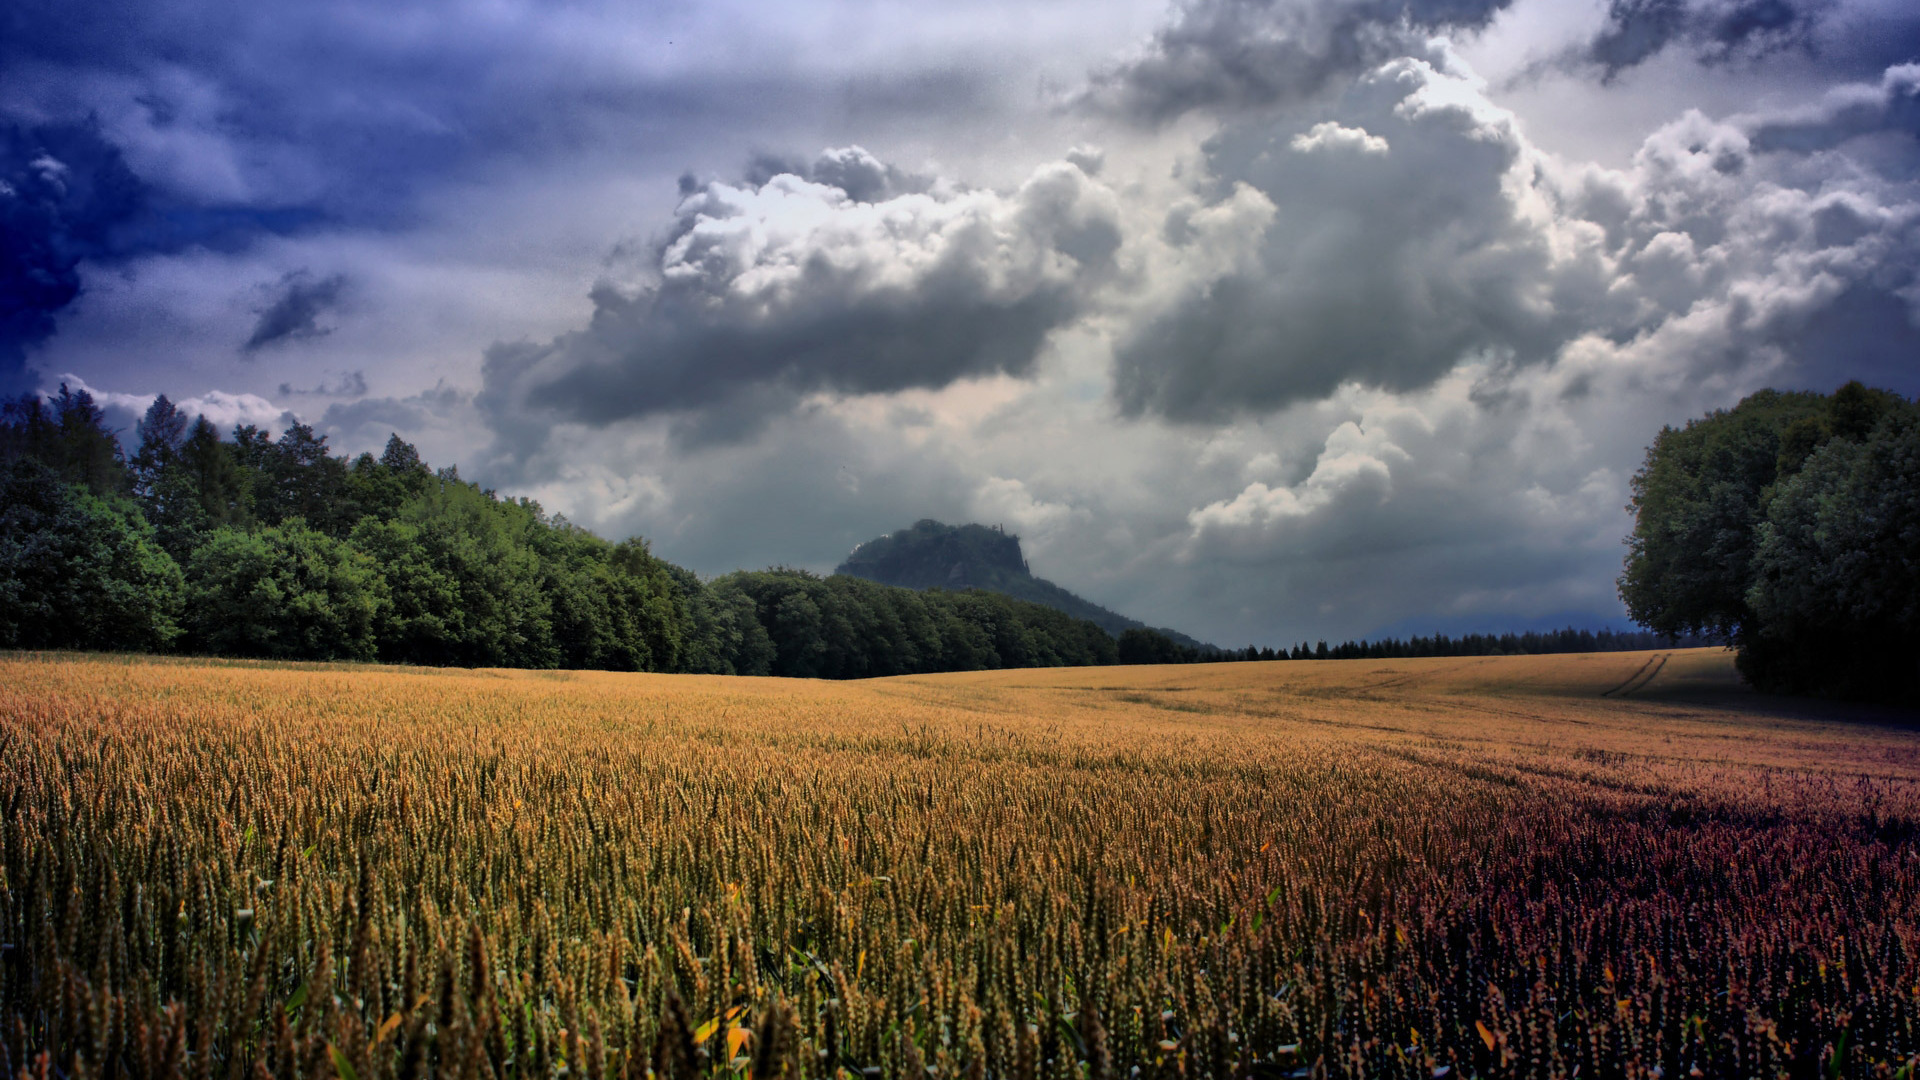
(1259, 318)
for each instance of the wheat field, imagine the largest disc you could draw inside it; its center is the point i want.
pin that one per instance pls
(1600, 865)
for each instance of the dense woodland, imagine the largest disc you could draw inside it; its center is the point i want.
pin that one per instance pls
(1789, 526)
(252, 546)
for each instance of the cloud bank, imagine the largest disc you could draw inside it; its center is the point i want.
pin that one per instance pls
(848, 282)
(1419, 229)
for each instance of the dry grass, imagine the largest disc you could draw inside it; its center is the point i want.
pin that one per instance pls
(1515, 866)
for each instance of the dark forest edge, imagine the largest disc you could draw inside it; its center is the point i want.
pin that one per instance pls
(249, 546)
(1788, 527)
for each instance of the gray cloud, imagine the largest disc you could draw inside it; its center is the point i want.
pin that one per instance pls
(1233, 55)
(1417, 229)
(1713, 31)
(351, 385)
(1847, 112)
(1396, 248)
(293, 313)
(769, 291)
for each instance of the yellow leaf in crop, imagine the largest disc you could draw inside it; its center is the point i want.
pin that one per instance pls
(736, 1038)
(1607, 970)
(1400, 933)
(705, 1031)
(861, 964)
(386, 1029)
(1486, 1034)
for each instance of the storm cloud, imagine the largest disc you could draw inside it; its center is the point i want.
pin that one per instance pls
(65, 196)
(1417, 229)
(1234, 55)
(293, 313)
(1713, 31)
(845, 283)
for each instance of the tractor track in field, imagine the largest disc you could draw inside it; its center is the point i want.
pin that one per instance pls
(1640, 678)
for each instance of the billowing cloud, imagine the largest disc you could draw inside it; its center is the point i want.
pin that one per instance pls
(293, 310)
(223, 410)
(1462, 242)
(1233, 55)
(767, 292)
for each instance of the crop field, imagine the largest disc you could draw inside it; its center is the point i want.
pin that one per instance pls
(1600, 865)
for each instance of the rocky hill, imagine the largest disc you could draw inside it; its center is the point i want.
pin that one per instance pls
(933, 555)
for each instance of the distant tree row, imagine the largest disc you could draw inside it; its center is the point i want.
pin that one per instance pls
(1151, 647)
(275, 547)
(1789, 526)
(844, 627)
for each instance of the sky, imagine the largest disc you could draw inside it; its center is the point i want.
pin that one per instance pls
(1266, 320)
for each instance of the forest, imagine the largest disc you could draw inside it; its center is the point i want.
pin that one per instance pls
(1788, 527)
(253, 546)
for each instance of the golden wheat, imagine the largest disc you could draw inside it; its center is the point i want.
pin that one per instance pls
(1519, 866)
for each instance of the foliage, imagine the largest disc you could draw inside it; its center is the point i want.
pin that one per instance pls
(79, 571)
(845, 627)
(1786, 526)
(375, 874)
(286, 592)
(1531, 643)
(68, 434)
(1697, 502)
(1836, 588)
(1140, 646)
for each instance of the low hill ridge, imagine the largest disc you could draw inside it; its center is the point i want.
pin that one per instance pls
(934, 555)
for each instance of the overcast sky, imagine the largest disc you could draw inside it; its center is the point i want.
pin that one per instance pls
(1262, 319)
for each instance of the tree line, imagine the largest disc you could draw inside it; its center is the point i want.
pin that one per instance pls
(243, 544)
(1151, 647)
(1788, 527)
(255, 546)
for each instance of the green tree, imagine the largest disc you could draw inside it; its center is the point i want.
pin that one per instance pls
(1787, 526)
(724, 635)
(162, 430)
(466, 585)
(189, 484)
(1836, 590)
(68, 434)
(1697, 501)
(283, 592)
(80, 571)
(1137, 646)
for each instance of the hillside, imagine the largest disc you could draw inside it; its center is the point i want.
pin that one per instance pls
(933, 555)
